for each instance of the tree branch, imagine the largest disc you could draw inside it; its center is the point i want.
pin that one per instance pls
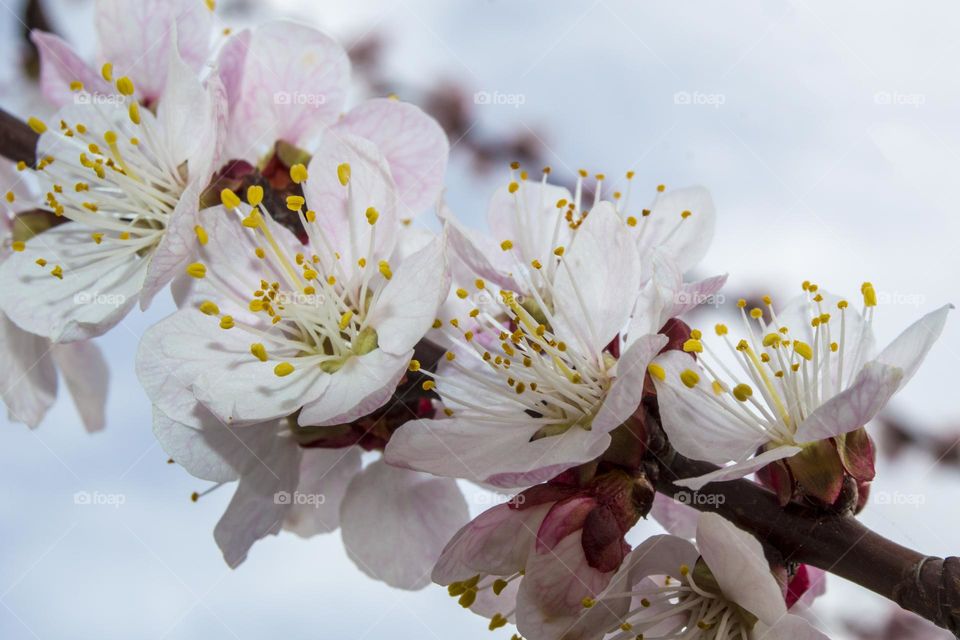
(838, 543)
(17, 140)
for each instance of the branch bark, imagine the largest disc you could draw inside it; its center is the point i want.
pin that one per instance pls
(840, 544)
(17, 140)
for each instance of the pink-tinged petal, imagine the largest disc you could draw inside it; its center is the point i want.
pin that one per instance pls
(497, 542)
(563, 519)
(693, 294)
(59, 66)
(677, 518)
(480, 254)
(625, 393)
(28, 377)
(684, 239)
(502, 456)
(910, 348)
(788, 627)
(740, 469)
(554, 586)
(92, 297)
(697, 426)
(84, 369)
(177, 247)
(363, 385)
(342, 219)
(858, 454)
(268, 479)
(414, 144)
(530, 219)
(212, 451)
(388, 509)
(325, 475)
(295, 80)
(598, 281)
(136, 37)
(814, 585)
(230, 64)
(855, 406)
(736, 560)
(406, 307)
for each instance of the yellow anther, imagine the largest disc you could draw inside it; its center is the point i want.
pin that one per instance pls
(843, 304)
(536, 264)
(202, 237)
(345, 319)
(310, 215)
(657, 371)
(76, 85)
(384, 268)
(741, 303)
(742, 391)
(693, 346)
(134, 112)
(260, 253)
(834, 347)
(283, 369)
(583, 173)
(756, 313)
(372, 215)
(298, 173)
(110, 137)
(496, 622)
(343, 173)
(689, 377)
(57, 272)
(125, 86)
(19, 245)
(462, 293)
(771, 340)
(480, 284)
(685, 214)
(36, 124)
(558, 251)
(209, 308)
(437, 324)
(229, 199)
(254, 195)
(450, 356)
(631, 221)
(197, 270)
(414, 365)
(869, 294)
(696, 334)
(588, 602)
(720, 329)
(513, 187)
(499, 585)
(506, 245)
(211, 4)
(294, 203)
(226, 322)
(684, 569)
(803, 349)
(107, 71)
(429, 385)
(41, 262)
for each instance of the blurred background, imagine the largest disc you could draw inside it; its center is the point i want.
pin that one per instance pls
(827, 132)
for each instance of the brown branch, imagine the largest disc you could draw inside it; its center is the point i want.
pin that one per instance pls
(838, 543)
(17, 140)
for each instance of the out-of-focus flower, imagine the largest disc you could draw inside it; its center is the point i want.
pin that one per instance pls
(535, 383)
(311, 491)
(28, 379)
(667, 588)
(129, 181)
(327, 329)
(805, 377)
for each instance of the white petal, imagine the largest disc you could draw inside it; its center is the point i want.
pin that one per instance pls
(479, 253)
(28, 377)
(530, 219)
(414, 144)
(325, 475)
(855, 406)
(363, 385)
(685, 240)
(740, 469)
(295, 79)
(93, 296)
(677, 518)
(736, 560)
(212, 451)
(267, 482)
(789, 627)
(698, 427)
(388, 509)
(84, 369)
(342, 218)
(625, 393)
(909, 349)
(407, 305)
(597, 282)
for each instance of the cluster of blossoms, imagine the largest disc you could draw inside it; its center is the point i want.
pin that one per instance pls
(317, 324)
